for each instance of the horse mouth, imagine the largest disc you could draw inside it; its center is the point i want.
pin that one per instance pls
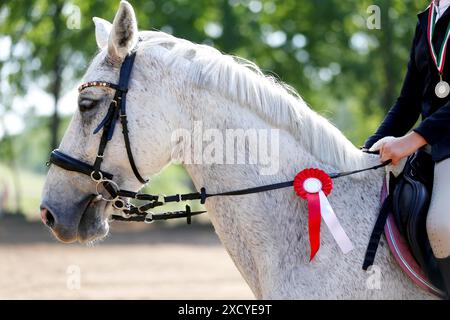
(70, 226)
(93, 222)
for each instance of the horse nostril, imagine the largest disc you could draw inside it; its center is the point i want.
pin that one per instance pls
(47, 217)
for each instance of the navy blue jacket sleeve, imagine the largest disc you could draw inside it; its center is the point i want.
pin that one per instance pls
(407, 109)
(436, 126)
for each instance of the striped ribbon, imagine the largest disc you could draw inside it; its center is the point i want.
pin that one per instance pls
(438, 57)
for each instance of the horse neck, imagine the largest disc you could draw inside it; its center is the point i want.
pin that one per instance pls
(260, 231)
(210, 110)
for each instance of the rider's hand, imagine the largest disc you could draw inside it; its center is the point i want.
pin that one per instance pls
(398, 148)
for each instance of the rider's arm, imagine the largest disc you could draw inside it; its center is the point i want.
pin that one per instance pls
(406, 110)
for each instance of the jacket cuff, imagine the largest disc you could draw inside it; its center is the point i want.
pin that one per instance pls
(371, 141)
(430, 136)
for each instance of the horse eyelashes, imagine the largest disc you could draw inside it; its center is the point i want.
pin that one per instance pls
(87, 104)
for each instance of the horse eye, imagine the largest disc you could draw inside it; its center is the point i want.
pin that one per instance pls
(86, 104)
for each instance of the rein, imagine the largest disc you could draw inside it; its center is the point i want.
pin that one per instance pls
(104, 180)
(132, 213)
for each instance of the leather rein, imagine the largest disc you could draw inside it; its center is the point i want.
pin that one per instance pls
(104, 180)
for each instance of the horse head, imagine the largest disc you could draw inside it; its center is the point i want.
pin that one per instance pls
(70, 201)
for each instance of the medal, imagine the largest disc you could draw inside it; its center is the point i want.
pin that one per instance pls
(442, 89)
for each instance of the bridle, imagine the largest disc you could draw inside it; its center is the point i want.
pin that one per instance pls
(104, 180)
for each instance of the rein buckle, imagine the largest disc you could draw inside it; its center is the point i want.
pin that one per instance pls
(149, 218)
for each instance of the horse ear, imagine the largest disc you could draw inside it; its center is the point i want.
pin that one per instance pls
(102, 31)
(124, 33)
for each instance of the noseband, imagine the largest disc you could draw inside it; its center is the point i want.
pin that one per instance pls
(104, 180)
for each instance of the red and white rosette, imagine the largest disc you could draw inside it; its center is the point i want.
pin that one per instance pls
(314, 185)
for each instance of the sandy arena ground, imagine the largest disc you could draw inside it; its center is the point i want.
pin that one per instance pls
(148, 262)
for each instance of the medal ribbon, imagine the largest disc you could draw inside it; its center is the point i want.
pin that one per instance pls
(438, 57)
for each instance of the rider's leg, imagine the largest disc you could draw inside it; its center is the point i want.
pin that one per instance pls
(438, 220)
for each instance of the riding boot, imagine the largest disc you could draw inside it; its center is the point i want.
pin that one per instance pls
(444, 267)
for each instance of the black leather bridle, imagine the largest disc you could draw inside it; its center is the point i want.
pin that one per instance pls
(104, 180)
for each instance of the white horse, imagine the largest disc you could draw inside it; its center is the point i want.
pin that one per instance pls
(175, 84)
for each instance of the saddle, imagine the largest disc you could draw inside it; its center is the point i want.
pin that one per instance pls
(411, 194)
(403, 214)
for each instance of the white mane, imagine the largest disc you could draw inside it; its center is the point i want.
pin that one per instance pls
(279, 104)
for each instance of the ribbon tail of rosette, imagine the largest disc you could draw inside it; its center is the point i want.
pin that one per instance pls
(314, 223)
(333, 224)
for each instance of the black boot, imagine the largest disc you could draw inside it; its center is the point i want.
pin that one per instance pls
(444, 267)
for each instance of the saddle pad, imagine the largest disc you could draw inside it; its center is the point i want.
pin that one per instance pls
(402, 253)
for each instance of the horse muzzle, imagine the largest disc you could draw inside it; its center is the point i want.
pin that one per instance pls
(64, 233)
(70, 225)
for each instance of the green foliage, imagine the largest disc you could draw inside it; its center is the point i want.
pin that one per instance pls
(30, 184)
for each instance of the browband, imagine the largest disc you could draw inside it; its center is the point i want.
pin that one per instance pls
(101, 84)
